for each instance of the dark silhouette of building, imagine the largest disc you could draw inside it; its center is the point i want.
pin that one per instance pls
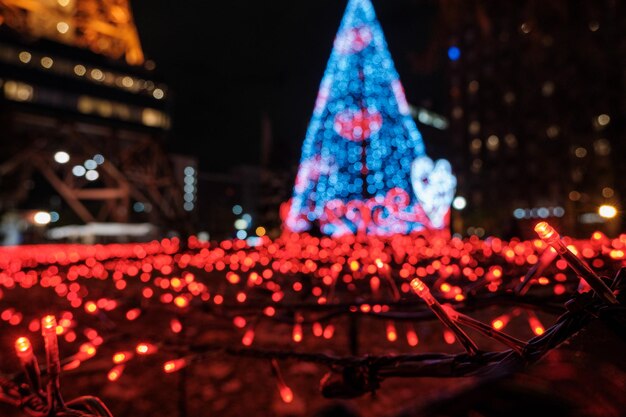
(537, 112)
(84, 118)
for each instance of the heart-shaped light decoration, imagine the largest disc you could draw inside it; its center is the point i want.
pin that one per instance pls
(358, 125)
(434, 186)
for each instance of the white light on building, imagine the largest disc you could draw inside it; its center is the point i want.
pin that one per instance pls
(158, 93)
(62, 157)
(543, 212)
(92, 175)
(79, 170)
(189, 188)
(90, 164)
(25, 57)
(42, 218)
(607, 211)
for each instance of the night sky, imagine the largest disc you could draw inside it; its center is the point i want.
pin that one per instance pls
(228, 63)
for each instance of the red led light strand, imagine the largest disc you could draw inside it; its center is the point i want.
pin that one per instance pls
(286, 394)
(549, 235)
(31, 399)
(510, 341)
(423, 292)
(453, 277)
(53, 361)
(30, 366)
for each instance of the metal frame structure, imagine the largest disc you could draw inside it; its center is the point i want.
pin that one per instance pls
(54, 98)
(136, 167)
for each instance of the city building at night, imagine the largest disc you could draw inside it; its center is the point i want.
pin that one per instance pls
(84, 119)
(536, 110)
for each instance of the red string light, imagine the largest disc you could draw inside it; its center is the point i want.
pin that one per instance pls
(115, 373)
(296, 280)
(144, 348)
(122, 357)
(392, 334)
(24, 349)
(411, 336)
(423, 292)
(174, 365)
(286, 394)
(549, 235)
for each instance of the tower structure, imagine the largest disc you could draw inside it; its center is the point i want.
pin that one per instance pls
(84, 118)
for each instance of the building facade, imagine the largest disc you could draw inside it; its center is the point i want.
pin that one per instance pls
(537, 113)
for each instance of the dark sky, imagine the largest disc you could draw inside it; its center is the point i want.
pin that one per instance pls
(229, 62)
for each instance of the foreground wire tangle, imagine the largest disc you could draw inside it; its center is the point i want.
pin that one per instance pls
(26, 391)
(353, 376)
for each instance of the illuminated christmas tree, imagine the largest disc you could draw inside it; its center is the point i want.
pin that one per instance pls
(363, 167)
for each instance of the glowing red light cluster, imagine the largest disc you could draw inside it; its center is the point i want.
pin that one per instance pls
(287, 280)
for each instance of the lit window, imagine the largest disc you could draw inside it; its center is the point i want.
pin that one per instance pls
(607, 192)
(580, 152)
(18, 91)
(97, 74)
(158, 93)
(63, 27)
(474, 127)
(553, 131)
(475, 145)
(25, 57)
(603, 119)
(602, 147)
(80, 70)
(493, 142)
(511, 140)
(127, 82)
(47, 62)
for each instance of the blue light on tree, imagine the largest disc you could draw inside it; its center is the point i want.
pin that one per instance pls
(363, 167)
